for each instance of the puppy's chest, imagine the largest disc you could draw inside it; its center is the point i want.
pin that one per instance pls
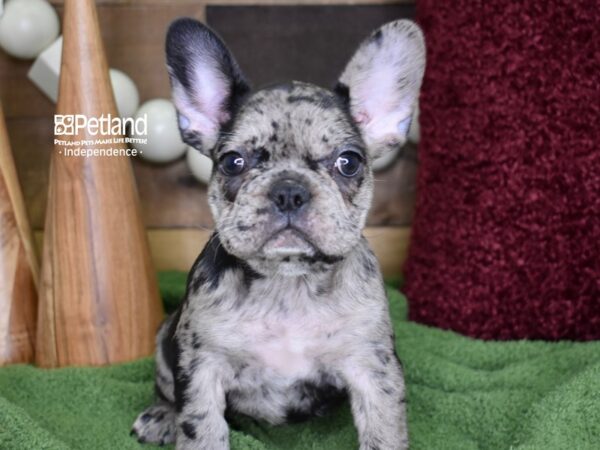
(287, 341)
(293, 346)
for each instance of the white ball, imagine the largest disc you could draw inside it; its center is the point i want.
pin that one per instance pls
(414, 132)
(164, 142)
(386, 160)
(126, 93)
(201, 166)
(27, 27)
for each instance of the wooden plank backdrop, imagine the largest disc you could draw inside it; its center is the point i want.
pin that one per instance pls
(178, 248)
(133, 32)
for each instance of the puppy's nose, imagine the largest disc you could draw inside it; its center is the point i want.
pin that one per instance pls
(289, 195)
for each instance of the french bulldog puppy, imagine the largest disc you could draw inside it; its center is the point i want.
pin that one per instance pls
(285, 312)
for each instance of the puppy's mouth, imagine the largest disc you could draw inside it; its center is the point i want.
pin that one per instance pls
(288, 241)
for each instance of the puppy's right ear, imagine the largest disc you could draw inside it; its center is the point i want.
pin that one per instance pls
(206, 82)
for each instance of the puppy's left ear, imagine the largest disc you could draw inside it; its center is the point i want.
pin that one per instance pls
(206, 82)
(382, 83)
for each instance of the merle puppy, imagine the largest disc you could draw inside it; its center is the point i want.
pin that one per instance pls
(285, 310)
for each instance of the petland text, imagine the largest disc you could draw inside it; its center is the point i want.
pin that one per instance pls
(73, 124)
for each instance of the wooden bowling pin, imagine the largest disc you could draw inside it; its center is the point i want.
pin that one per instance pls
(18, 265)
(99, 300)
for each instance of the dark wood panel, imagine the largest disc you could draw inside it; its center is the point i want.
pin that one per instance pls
(394, 197)
(307, 43)
(20, 97)
(31, 140)
(133, 34)
(245, 2)
(171, 196)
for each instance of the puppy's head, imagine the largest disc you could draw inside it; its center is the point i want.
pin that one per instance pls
(292, 182)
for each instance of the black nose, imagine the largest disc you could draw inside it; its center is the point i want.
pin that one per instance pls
(289, 195)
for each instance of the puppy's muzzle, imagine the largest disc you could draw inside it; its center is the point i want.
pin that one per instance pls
(289, 196)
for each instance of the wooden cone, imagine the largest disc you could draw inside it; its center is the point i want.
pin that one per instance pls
(99, 300)
(18, 265)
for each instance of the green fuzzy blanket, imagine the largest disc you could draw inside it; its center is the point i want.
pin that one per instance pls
(462, 394)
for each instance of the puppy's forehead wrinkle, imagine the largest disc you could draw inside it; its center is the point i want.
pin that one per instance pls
(292, 120)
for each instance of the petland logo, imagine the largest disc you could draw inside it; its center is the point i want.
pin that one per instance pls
(81, 136)
(106, 125)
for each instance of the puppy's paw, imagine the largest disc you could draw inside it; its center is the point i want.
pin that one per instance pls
(156, 425)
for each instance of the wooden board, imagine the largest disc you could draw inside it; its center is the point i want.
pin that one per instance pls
(177, 249)
(19, 275)
(307, 43)
(246, 2)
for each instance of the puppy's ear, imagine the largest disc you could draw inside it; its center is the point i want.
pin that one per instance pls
(382, 82)
(206, 82)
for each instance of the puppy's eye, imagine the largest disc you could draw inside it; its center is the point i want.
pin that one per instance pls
(232, 163)
(348, 163)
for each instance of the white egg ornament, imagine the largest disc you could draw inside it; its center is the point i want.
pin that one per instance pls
(126, 93)
(201, 166)
(164, 142)
(27, 27)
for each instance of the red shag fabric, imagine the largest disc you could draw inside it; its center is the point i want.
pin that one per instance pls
(506, 237)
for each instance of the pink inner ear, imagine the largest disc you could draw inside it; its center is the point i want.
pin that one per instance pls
(211, 92)
(361, 117)
(378, 92)
(380, 106)
(224, 117)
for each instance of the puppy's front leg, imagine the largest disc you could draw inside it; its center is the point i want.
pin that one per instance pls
(200, 400)
(376, 387)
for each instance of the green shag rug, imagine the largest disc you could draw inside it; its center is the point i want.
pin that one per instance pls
(462, 394)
